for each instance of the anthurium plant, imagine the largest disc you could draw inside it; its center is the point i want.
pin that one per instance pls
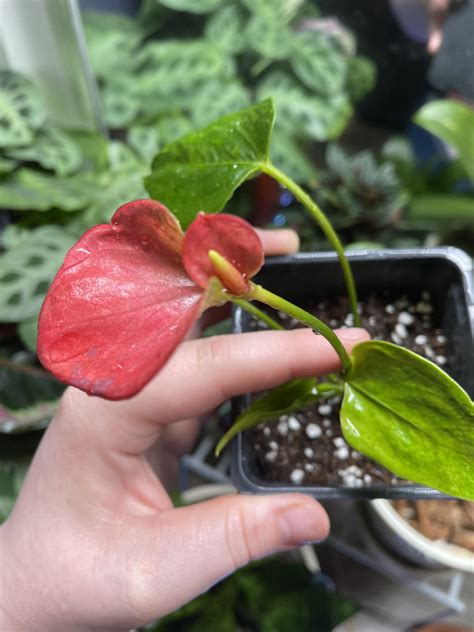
(129, 291)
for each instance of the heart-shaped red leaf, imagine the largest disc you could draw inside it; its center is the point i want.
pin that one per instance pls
(120, 304)
(232, 237)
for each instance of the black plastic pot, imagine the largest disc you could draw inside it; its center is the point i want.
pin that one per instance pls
(445, 272)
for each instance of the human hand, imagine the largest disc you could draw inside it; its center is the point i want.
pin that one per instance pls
(94, 543)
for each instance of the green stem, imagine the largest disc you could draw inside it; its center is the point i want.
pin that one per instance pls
(259, 293)
(325, 226)
(251, 309)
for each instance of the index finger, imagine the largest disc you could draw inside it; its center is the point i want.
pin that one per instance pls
(200, 376)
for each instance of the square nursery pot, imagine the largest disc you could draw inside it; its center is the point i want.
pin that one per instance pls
(446, 273)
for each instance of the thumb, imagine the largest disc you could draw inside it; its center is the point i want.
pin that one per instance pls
(203, 543)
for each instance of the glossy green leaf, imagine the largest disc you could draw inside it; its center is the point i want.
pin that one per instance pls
(410, 416)
(453, 122)
(202, 170)
(51, 149)
(27, 269)
(282, 400)
(7, 165)
(21, 109)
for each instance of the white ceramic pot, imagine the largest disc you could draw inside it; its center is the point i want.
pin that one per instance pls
(399, 536)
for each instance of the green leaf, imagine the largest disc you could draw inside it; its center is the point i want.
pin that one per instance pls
(406, 413)
(361, 77)
(170, 128)
(216, 99)
(30, 190)
(120, 107)
(144, 140)
(23, 387)
(280, 401)
(289, 157)
(52, 149)
(28, 332)
(225, 28)
(21, 109)
(270, 36)
(192, 6)
(453, 122)
(318, 61)
(202, 170)
(442, 208)
(173, 65)
(27, 270)
(93, 148)
(112, 41)
(302, 115)
(7, 165)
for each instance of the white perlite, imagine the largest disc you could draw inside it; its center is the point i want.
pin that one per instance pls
(342, 453)
(339, 442)
(325, 409)
(313, 431)
(282, 428)
(405, 318)
(421, 340)
(297, 476)
(309, 453)
(293, 424)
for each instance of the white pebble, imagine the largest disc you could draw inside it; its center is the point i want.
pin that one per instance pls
(441, 339)
(421, 340)
(282, 428)
(297, 476)
(327, 423)
(339, 442)
(273, 445)
(309, 453)
(372, 321)
(325, 409)
(406, 318)
(401, 330)
(266, 431)
(349, 480)
(367, 479)
(441, 360)
(359, 482)
(328, 433)
(349, 320)
(313, 431)
(342, 453)
(355, 454)
(390, 309)
(271, 457)
(309, 467)
(293, 424)
(333, 323)
(395, 338)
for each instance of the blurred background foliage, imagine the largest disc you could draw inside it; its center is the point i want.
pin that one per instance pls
(175, 66)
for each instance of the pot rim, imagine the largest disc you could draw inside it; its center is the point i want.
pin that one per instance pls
(445, 553)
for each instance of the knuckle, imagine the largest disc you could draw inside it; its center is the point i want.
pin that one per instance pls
(243, 536)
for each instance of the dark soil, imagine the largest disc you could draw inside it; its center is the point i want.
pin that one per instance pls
(307, 448)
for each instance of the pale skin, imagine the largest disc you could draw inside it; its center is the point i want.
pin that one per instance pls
(94, 542)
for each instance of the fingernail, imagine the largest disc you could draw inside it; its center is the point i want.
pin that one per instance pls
(304, 523)
(354, 334)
